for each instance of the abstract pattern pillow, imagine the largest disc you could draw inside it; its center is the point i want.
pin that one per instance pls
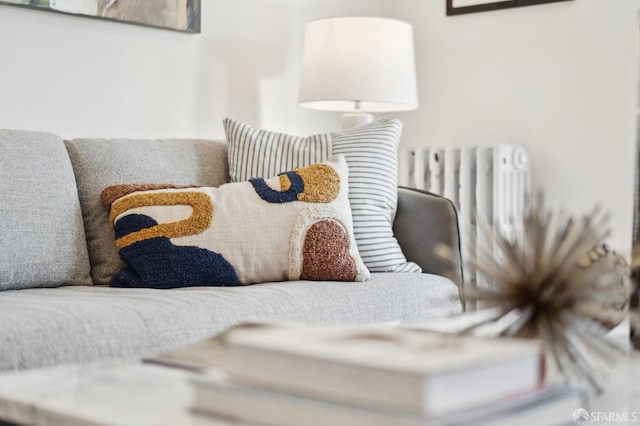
(371, 154)
(296, 225)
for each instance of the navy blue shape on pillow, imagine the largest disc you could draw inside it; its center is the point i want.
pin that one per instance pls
(158, 263)
(270, 195)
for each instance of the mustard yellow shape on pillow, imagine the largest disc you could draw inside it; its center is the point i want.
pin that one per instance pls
(199, 220)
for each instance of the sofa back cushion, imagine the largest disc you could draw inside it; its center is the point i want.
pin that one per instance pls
(42, 236)
(99, 163)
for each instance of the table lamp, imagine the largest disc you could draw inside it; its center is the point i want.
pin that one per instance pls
(358, 65)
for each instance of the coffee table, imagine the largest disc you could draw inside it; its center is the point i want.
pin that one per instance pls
(106, 393)
(131, 392)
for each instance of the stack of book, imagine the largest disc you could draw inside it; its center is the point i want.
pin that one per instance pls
(293, 375)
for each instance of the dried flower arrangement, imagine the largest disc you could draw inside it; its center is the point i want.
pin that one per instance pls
(556, 282)
(634, 304)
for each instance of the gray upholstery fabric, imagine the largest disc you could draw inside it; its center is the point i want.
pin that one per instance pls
(42, 327)
(42, 240)
(424, 221)
(98, 163)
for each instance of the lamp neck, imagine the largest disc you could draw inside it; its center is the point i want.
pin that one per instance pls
(356, 118)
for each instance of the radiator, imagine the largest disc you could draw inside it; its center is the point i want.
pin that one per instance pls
(490, 183)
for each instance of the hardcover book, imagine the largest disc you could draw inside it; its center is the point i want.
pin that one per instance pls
(216, 396)
(421, 372)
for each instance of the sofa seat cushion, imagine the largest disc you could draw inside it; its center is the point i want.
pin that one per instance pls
(44, 327)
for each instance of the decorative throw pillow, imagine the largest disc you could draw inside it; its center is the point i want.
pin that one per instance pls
(296, 225)
(371, 154)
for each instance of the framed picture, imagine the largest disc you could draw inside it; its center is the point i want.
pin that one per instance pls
(459, 7)
(177, 15)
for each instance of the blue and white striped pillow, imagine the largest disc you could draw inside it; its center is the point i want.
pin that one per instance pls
(371, 154)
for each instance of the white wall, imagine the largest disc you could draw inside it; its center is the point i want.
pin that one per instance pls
(82, 77)
(252, 49)
(560, 79)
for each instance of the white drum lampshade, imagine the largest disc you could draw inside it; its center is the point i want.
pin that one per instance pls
(358, 65)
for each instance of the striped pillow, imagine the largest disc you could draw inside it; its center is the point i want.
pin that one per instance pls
(371, 154)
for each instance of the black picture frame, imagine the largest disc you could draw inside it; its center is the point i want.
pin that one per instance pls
(488, 5)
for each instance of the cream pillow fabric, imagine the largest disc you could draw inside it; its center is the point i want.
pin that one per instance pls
(293, 226)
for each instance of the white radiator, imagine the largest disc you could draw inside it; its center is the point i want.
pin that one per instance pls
(492, 183)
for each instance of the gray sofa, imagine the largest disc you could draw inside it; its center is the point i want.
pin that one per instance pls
(54, 304)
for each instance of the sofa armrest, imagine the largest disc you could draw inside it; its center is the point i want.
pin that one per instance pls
(423, 221)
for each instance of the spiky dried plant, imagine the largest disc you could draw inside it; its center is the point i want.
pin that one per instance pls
(554, 283)
(634, 308)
